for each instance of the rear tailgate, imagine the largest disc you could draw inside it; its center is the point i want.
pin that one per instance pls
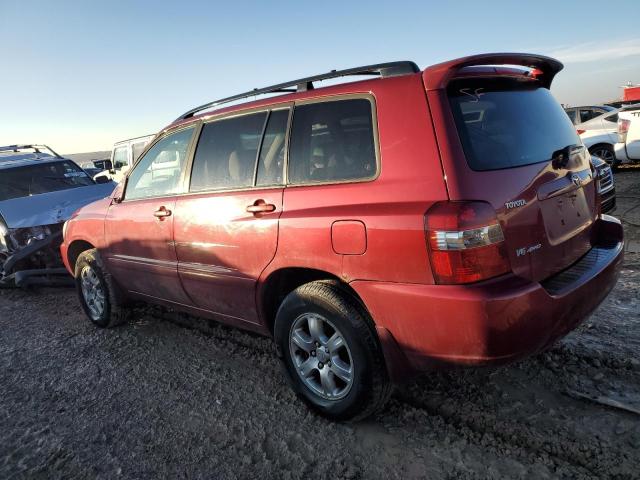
(505, 140)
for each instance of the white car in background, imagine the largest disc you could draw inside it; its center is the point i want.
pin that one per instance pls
(600, 134)
(627, 149)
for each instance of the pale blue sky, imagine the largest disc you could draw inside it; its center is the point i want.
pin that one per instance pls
(80, 75)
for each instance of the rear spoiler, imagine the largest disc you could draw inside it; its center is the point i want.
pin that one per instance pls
(438, 76)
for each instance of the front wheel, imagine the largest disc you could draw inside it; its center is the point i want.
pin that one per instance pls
(330, 352)
(101, 299)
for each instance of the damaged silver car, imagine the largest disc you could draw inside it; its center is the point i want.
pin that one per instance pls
(39, 190)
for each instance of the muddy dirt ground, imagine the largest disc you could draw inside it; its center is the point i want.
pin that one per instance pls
(154, 399)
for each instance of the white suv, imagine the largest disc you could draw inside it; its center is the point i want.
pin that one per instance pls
(627, 150)
(124, 154)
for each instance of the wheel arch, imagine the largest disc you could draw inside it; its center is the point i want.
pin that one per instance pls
(75, 249)
(279, 283)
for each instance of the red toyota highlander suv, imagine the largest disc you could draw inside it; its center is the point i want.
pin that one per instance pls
(375, 228)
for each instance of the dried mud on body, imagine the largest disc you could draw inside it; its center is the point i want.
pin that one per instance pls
(154, 399)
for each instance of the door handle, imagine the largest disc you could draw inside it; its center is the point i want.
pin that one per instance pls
(161, 213)
(259, 206)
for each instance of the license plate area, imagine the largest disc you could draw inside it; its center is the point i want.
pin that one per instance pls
(565, 215)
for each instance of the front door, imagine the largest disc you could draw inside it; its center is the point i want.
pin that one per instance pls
(226, 229)
(139, 229)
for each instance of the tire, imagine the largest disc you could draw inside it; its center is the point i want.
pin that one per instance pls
(605, 152)
(346, 380)
(113, 310)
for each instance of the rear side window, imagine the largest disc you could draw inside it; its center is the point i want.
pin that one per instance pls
(271, 161)
(612, 118)
(332, 141)
(226, 153)
(505, 123)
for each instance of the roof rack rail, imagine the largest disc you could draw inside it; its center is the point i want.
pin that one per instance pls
(36, 147)
(391, 69)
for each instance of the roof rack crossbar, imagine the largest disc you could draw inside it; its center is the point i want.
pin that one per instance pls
(390, 69)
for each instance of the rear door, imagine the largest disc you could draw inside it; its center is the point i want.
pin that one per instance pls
(226, 229)
(515, 148)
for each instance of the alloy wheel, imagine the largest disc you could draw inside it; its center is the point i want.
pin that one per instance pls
(93, 292)
(604, 154)
(321, 356)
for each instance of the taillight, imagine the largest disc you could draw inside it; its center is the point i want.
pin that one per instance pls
(623, 129)
(466, 243)
(580, 131)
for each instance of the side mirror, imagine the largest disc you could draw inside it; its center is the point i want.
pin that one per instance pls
(118, 165)
(102, 179)
(118, 193)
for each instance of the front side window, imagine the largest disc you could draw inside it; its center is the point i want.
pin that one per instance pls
(226, 153)
(588, 114)
(332, 141)
(120, 157)
(158, 172)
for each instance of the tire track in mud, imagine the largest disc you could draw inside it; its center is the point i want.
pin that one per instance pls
(594, 459)
(410, 438)
(591, 458)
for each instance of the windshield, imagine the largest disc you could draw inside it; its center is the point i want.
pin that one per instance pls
(41, 178)
(505, 122)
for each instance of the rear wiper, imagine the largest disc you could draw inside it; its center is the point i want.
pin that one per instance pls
(560, 158)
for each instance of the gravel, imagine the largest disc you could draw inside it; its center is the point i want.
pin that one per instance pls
(168, 396)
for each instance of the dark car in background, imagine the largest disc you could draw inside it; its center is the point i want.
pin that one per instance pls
(39, 190)
(606, 186)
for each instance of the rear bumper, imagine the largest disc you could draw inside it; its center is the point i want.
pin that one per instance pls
(495, 321)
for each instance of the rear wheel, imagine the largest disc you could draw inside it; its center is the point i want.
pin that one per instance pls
(101, 299)
(330, 352)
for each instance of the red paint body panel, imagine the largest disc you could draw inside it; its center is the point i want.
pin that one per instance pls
(222, 249)
(490, 322)
(140, 252)
(213, 258)
(85, 225)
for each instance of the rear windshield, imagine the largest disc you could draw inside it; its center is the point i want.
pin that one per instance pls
(506, 123)
(46, 177)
